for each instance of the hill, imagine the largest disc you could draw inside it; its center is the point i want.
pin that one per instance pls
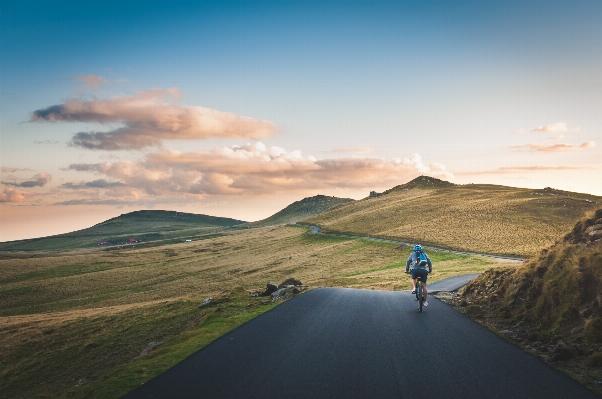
(552, 305)
(143, 226)
(473, 217)
(299, 210)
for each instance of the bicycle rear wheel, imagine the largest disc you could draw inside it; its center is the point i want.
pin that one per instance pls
(419, 295)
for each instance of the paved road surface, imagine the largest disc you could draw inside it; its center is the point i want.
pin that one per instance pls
(347, 343)
(450, 284)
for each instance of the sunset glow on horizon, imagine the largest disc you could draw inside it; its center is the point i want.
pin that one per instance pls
(237, 109)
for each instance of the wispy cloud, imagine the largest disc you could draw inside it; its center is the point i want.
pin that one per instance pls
(38, 180)
(91, 81)
(526, 169)
(6, 169)
(255, 169)
(557, 127)
(148, 119)
(100, 183)
(560, 147)
(13, 195)
(45, 142)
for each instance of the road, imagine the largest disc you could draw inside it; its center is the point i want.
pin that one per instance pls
(347, 343)
(316, 230)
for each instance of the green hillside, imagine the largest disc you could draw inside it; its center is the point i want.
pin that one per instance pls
(473, 217)
(299, 210)
(143, 226)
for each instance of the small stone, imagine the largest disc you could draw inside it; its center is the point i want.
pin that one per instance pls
(206, 302)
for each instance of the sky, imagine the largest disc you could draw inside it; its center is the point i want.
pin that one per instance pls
(239, 108)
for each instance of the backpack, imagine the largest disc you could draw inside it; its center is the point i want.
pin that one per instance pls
(421, 259)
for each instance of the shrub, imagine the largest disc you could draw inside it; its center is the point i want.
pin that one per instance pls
(595, 360)
(593, 331)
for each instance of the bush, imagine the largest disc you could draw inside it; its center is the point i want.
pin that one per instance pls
(593, 331)
(595, 360)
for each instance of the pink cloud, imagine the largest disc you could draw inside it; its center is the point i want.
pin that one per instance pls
(148, 119)
(91, 81)
(12, 195)
(38, 180)
(5, 169)
(525, 169)
(560, 147)
(558, 127)
(255, 169)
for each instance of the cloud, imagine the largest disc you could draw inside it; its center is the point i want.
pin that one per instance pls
(91, 81)
(93, 202)
(560, 147)
(525, 169)
(100, 183)
(12, 195)
(13, 170)
(39, 180)
(357, 150)
(255, 169)
(148, 120)
(45, 142)
(558, 127)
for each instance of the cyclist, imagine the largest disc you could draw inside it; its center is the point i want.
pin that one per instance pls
(419, 261)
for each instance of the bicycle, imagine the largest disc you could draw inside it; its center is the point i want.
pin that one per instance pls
(419, 293)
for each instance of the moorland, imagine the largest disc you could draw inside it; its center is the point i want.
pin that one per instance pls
(76, 317)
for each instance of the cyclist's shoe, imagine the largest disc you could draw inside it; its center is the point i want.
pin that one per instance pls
(425, 303)
(413, 290)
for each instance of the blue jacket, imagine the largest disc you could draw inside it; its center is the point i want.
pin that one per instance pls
(413, 260)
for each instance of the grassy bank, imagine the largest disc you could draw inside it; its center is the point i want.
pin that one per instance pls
(552, 305)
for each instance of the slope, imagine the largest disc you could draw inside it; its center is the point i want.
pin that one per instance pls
(147, 225)
(474, 217)
(552, 305)
(299, 210)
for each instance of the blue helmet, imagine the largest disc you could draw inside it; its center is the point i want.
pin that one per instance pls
(417, 248)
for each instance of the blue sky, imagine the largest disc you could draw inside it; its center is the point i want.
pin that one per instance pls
(502, 92)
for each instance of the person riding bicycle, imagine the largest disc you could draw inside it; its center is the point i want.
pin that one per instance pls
(419, 261)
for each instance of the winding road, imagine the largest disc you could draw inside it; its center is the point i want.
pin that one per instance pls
(348, 343)
(316, 230)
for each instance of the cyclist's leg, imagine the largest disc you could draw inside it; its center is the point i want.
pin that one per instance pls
(413, 284)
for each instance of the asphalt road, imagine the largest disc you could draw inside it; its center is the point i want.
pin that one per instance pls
(347, 343)
(450, 284)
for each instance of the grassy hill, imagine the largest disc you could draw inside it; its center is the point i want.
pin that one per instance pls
(473, 217)
(299, 210)
(144, 226)
(552, 305)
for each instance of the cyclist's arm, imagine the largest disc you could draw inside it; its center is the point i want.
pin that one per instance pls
(408, 262)
(430, 264)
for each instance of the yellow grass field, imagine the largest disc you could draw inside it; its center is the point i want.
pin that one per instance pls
(476, 218)
(71, 323)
